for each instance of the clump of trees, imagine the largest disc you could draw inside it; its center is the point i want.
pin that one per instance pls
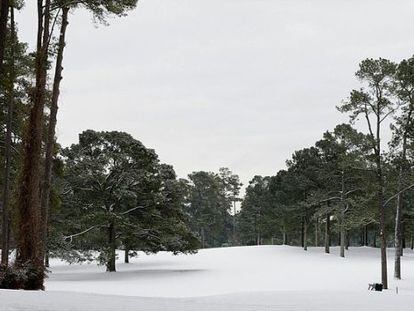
(116, 194)
(352, 184)
(211, 204)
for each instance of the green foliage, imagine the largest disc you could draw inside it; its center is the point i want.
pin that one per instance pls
(111, 180)
(210, 197)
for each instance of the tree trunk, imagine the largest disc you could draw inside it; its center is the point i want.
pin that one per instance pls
(234, 223)
(126, 255)
(365, 236)
(347, 240)
(284, 238)
(47, 259)
(4, 10)
(327, 233)
(381, 210)
(110, 267)
(7, 152)
(317, 232)
(384, 277)
(305, 235)
(342, 235)
(50, 140)
(399, 208)
(203, 238)
(30, 247)
(397, 232)
(302, 230)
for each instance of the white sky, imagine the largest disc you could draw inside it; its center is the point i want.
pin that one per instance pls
(212, 83)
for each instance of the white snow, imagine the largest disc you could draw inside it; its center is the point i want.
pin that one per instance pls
(239, 278)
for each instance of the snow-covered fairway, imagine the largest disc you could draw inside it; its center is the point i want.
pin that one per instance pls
(226, 279)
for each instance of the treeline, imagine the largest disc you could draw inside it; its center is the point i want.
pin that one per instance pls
(351, 187)
(109, 191)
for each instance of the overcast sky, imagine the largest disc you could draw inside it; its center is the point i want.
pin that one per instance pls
(212, 83)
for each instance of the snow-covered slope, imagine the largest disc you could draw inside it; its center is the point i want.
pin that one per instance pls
(239, 278)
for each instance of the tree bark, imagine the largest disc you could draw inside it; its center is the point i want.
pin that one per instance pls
(365, 235)
(342, 235)
(4, 10)
(399, 207)
(203, 238)
(30, 248)
(7, 152)
(397, 232)
(327, 233)
(316, 232)
(305, 235)
(50, 140)
(302, 233)
(126, 255)
(381, 207)
(110, 267)
(347, 240)
(284, 238)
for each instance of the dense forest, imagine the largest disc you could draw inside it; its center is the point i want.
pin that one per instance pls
(108, 191)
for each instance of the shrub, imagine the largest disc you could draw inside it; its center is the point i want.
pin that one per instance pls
(25, 276)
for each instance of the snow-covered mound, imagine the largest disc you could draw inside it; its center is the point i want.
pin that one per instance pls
(239, 278)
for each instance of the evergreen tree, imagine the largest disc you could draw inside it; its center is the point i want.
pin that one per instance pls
(118, 192)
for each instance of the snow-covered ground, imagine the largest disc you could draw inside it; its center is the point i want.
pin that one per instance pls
(225, 279)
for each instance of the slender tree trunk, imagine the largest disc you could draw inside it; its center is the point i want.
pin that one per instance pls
(347, 240)
(126, 255)
(365, 235)
(203, 238)
(30, 247)
(412, 242)
(110, 267)
(305, 235)
(7, 152)
(50, 140)
(383, 241)
(397, 232)
(399, 207)
(302, 231)
(316, 232)
(234, 223)
(381, 207)
(327, 233)
(284, 238)
(342, 235)
(4, 10)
